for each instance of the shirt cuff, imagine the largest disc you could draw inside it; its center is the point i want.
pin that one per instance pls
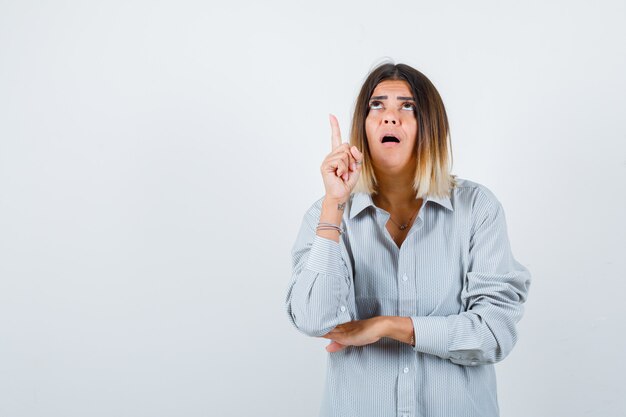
(431, 335)
(325, 257)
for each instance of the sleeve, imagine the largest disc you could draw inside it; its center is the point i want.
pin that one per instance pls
(495, 288)
(318, 294)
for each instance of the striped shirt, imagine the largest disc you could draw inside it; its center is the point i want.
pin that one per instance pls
(454, 276)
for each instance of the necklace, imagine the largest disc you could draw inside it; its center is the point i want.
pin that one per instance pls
(405, 225)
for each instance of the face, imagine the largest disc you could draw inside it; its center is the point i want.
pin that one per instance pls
(391, 127)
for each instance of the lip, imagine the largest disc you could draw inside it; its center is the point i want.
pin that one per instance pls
(394, 134)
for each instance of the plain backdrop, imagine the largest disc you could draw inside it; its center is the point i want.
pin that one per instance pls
(157, 158)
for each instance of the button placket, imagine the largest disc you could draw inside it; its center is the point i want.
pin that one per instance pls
(406, 297)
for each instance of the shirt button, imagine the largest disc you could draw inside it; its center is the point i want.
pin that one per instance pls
(343, 308)
(406, 370)
(404, 277)
(472, 363)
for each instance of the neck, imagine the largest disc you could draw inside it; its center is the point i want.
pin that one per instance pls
(395, 190)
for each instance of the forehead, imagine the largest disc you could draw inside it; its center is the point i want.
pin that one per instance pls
(392, 88)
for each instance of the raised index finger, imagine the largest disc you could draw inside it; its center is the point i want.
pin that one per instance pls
(336, 133)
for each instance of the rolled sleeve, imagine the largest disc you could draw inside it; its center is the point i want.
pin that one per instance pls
(431, 335)
(325, 257)
(320, 294)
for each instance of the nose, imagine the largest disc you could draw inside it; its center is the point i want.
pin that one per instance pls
(390, 118)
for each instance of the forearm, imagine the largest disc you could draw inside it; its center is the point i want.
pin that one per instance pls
(332, 212)
(318, 302)
(397, 328)
(431, 337)
(320, 294)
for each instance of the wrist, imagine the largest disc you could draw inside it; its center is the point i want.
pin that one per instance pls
(334, 203)
(384, 326)
(397, 328)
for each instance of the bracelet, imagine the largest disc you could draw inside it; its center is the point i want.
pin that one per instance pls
(413, 339)
(329, 226)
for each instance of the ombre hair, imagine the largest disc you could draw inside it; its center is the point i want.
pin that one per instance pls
(433, 148)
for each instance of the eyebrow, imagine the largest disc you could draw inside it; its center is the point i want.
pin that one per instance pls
(386, 97)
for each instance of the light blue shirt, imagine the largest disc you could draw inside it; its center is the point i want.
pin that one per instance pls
(454, 276)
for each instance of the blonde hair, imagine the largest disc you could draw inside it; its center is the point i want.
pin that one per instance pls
(433, 150)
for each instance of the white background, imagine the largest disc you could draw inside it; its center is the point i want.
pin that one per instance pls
(157, 157)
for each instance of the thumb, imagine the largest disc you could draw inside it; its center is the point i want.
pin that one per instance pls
(335, 347)
(356, 154)
(354, 175)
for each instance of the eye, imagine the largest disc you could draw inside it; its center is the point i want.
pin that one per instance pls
(376, 105)
(408, 106)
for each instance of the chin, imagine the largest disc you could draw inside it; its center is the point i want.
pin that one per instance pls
(392, 163)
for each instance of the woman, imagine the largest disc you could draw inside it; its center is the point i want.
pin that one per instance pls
(405, 268)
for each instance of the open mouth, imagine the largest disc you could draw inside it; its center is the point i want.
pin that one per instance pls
(393, 139)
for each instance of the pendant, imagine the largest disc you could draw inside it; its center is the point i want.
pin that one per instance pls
(403, 227)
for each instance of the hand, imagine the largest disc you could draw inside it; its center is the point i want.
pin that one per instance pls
(354, 333)
(341, 167)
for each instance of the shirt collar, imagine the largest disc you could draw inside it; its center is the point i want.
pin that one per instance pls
(360, 201)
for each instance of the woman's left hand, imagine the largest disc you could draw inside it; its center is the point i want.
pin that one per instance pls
(355, 333)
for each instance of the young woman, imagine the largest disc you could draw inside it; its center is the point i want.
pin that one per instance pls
(405, 268)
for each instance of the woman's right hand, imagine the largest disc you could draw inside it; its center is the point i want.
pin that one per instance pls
(341, 167)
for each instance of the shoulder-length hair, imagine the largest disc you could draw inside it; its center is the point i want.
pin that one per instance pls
(433, 150)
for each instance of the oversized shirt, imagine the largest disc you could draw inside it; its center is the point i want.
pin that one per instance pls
(454, 276)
